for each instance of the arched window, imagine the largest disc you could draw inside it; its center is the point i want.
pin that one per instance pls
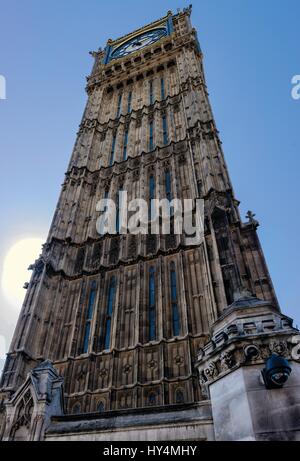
(76, 408)
(152, 398)
(109, 311)
(20, 430)
(118, 209)
(162, 88)
(125, 145)
(151, 96)
(100, 407)
(89, 316)
(152, 307)
(129, 101)
(151, 196)
(168, 185)
(179, 397)
(112, 152)
(151, 187)
(174, 301)
(151, 139)
(165, 130)
(119, 105)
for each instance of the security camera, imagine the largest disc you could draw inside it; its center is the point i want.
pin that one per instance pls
(276, 372)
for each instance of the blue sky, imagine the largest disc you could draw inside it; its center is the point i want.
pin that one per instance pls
(251, 51)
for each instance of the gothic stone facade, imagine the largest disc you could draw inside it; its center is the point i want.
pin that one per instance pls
(102, 309)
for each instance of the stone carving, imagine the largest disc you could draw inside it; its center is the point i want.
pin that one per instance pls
(103, 372)
(152, 363)
(278, 347)
(227, 360)
(37, 267)
(202, 378)
(250, 216)
(127, 368)
(211, 371)
(41, 396)
(178, 360)
(21, 427)
(239, 347)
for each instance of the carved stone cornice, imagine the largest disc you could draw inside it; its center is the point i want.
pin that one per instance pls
(111, 73)
(169, 47)
(247, 333)
(38, 266)
(53, 272)
(132, 163)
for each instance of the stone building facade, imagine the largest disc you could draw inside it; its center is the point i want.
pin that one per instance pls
(130, 336)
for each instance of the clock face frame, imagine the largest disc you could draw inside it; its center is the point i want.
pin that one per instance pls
(138, 42)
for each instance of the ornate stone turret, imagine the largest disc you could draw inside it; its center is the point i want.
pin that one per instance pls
(230, 365)
(29, 411)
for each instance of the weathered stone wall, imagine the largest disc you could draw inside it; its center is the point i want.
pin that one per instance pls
(243, 409)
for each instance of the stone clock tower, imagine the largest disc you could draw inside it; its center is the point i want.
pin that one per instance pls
(126, 336)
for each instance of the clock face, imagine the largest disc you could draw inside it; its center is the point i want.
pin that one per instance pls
(138, 42)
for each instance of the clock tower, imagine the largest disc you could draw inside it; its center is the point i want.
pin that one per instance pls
(126, 336)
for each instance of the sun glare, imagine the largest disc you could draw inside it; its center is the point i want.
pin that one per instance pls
(15, 268)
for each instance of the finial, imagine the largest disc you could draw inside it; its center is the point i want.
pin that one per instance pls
(250, 216)
(188, 9)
